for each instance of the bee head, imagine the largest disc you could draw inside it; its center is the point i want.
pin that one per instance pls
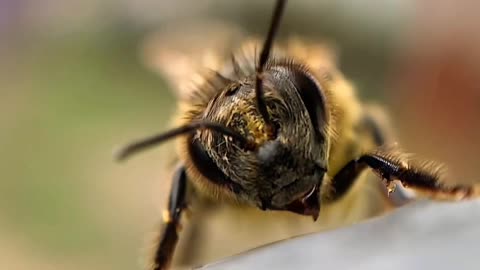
(263, 136)
(283, 167)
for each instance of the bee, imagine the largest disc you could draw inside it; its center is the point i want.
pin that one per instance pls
(271, 140)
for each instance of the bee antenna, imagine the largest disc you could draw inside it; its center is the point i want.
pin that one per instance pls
(148, 142)
(267, 47)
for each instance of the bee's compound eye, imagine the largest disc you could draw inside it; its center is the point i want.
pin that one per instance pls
(232, 90)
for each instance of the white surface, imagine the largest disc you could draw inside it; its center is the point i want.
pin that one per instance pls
(422, 235)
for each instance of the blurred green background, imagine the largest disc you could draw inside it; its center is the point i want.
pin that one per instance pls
(73, 88)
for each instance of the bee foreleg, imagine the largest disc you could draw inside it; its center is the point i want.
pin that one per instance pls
(169, 238)
(391, 169)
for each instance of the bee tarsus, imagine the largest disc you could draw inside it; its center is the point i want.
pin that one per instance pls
(169, 238)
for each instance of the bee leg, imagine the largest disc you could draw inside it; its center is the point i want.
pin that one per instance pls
(390, 168)
(376, 131)
(345, 178)
(169, 238)
(380, 134)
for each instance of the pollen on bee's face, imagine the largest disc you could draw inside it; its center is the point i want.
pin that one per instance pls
(257, 129)
(249, 123)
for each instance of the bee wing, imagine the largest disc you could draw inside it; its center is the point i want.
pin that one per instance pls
(181, 53)
(318, 56)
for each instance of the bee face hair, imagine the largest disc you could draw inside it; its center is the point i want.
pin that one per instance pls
(284, 166)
